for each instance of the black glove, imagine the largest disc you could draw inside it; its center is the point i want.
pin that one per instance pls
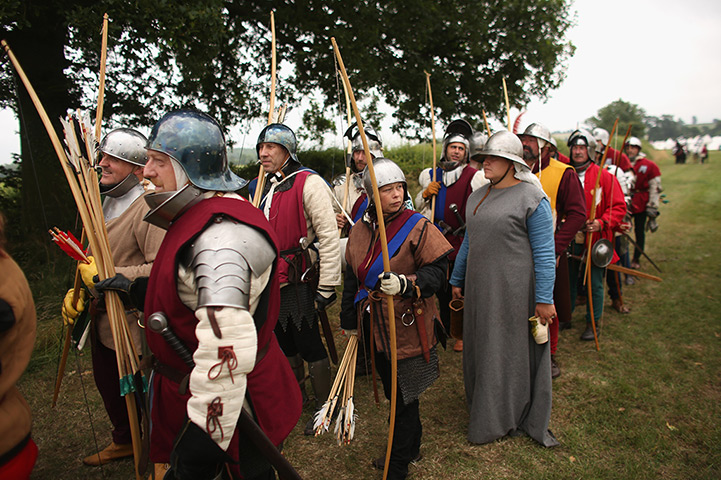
(195, 456)
(325, 297)
(132, 293)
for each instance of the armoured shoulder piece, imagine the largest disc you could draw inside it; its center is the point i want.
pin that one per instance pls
(224, 257)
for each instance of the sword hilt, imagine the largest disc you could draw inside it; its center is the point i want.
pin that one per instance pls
(158, 323)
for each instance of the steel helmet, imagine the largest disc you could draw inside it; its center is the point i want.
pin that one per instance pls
(634, 142)
(195, 140)
(584, 138)
(458, 131)
(539, 131)
(375, 143)
(127, 145)
(280, 134)
(386, 171)
(478, 142)
(506, 145)
(601, 135)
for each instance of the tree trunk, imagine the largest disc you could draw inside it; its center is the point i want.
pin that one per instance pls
(39, 48)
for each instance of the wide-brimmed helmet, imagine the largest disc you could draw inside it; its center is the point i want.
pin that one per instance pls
(386, 171)
(539, 131)
(127, 145)
(506, 145)
(196, 141)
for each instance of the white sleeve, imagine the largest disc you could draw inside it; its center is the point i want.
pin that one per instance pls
(478, 180)
(218, 381)
(424, 179)
(318, 208)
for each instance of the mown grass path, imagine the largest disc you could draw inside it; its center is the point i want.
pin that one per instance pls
(646, 406)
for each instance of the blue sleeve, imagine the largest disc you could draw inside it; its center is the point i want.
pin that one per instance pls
(458, 277)
(540, 234)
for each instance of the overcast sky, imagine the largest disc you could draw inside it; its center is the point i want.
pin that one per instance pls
(662, 55)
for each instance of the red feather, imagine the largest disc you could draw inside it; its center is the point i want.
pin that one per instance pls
(517, 123)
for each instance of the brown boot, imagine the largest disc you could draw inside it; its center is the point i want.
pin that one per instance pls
(620, 307)
(458, 347)
(110, 453)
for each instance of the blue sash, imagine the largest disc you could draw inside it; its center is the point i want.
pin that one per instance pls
(394, 245)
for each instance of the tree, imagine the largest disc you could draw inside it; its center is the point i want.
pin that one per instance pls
(663, 127)
(209, 54)
(627, 113)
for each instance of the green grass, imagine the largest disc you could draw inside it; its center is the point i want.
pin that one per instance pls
(646, 406)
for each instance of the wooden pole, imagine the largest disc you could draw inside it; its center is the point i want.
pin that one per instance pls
(386, 260)
(433, 135)
(485, 122)
(508, 105)
(349, 152)
(77, 285)
(101, 88)
(260, 184)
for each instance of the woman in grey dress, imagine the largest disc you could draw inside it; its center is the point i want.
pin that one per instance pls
(509, 242)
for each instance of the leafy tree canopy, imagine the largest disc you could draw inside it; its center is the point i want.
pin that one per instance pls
(214, 54)
(627, 113)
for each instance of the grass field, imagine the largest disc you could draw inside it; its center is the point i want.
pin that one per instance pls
(646, 406)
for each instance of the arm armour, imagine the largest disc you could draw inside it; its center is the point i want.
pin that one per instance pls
(224, 257)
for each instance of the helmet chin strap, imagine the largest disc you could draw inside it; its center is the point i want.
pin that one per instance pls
(510, 166)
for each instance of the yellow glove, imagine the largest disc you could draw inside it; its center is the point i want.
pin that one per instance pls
(71, 312)
(432, 189)
(88, 271)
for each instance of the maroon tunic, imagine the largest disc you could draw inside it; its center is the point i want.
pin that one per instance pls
(287, 219)
(272, 387)
(457, 193)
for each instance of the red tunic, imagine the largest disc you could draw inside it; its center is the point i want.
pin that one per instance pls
(624, 162)
(645, 170)
(287, 219)
(610, 214)
(272, 387)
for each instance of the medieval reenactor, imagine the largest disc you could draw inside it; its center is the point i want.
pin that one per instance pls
(18, 324)
(604, 196)
(613, 157)
(568, 208)
(357, 202)
(134, 245)
(646, 196)
(455, 180)
(299, 206)
(211, 306)
(418, 262)
(507, 266)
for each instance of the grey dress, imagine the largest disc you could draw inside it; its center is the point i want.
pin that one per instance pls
(507, 375)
